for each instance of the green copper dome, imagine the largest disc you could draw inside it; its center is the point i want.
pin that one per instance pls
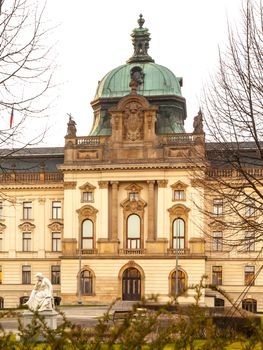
(157, 80)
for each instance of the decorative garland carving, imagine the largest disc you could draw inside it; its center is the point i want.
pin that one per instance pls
(2, 227)
(27, 226)
(56, 226)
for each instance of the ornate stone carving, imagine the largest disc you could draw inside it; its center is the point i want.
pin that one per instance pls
(55, 226)
(87, 211)
(133, 121)
(2, 227)
(178, 210)
(27, 226)
(41, 200)
(103, 184)
(179, 185)
(162, 183)
(87, 186)
(69, 185)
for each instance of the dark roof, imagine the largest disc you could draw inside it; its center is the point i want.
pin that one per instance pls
(31, 159)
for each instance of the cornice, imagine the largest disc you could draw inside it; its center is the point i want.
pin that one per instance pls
(32, 186)
(125, 166)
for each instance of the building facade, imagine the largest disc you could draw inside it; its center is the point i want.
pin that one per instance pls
(118, 213)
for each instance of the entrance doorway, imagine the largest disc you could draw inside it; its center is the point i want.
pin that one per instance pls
(131, 284)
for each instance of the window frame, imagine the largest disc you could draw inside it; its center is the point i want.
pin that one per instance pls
(249, 247)
(130, 240)
(89, 195)
(88, 238)
(55, 274)
(56, 210)
(26, 274)
(217, 241)
(89, 279)
(182, 276)
(26, 241)
(27, 210)
(178, 238)
(181, 193)
(249, 276)
(56, 242)
(217, 275)
(218, 205)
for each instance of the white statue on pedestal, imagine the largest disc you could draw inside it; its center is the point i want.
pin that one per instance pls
(41, 296)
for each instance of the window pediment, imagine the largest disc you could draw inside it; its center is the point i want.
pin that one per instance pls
(87, 186)
(178, 210)
(56, 226)
(179, 185)
(132, 206)
(27, 226)
(133, 188)
(87, 211)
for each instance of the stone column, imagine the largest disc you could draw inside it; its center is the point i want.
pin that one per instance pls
(161, 212)
(103, 214)
(151, 211)
(114, 211)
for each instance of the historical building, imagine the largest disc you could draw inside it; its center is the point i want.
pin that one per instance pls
(118, 212)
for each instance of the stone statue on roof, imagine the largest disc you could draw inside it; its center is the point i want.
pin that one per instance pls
(198, 123)
(72, 130)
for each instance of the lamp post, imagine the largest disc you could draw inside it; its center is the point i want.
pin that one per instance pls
(177, 225)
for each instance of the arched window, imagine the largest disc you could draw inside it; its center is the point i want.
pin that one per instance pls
(178, 234)
(86, 282)
(87, 236)
(181, 282)
(249, 305)
(133, 232)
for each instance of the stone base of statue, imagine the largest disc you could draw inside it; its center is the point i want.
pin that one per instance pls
(50, 318)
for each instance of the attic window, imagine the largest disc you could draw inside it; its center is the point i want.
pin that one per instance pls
(134, 196)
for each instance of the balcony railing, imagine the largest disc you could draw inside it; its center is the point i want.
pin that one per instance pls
(88, 251)
(253, 172)
(173, 251)
(88, 141)
(132, 251)
(177, 139)
(37, 177)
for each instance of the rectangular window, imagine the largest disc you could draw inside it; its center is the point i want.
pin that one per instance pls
(26, 242)
(87, 196)
(1, 210)
(56, 241)
(249, 207)
(217, 275)
(56, 210)
(55, 274)
(26, 274)
(1, 275)
(179, 194)
(249, 275)
(133, 196)
(218, 206)
(217, 241)
(249, 241)
(27, 210)
(1, 242)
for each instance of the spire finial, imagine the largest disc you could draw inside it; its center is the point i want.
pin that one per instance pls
(141, 21)
(140, 39)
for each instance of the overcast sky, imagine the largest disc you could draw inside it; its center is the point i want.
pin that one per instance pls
(93, 37)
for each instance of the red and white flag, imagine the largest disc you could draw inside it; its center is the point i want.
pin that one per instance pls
(11, 117)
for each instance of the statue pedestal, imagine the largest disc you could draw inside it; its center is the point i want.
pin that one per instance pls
(50, 317)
